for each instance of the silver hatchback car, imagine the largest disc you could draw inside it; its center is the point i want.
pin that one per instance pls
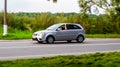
(60, 32)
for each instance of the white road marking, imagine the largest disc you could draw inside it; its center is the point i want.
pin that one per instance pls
(51, 46)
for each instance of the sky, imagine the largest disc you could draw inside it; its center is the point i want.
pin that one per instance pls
(66, 6)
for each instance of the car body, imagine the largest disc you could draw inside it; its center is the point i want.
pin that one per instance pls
(57, 32)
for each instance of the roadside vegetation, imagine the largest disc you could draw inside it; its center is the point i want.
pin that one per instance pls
(93, 24)
(111, 59)
(15, 34)
(22, 25)
(103, 35)
(28, 35)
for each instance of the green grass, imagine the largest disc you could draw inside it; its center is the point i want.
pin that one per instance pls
(88, 60)
(28, 35)
(19, 34)
(103, 35)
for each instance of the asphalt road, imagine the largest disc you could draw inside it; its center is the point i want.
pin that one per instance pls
(17, 49)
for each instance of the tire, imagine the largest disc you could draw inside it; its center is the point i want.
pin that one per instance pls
(80, 39)
(69, 41)
(39, 41)
(50, 39)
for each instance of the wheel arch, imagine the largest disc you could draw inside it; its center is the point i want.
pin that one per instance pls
(81, 35)
(51, 36)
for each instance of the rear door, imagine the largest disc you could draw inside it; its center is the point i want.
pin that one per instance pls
(74, 30)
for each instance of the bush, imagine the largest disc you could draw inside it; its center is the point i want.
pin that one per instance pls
(93, 24)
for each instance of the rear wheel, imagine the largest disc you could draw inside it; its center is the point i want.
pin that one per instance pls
(50, 39)
(80, 39)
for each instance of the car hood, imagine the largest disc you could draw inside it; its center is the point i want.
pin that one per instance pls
(43, 31)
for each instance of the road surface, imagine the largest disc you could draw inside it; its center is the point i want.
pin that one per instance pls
(19, 49)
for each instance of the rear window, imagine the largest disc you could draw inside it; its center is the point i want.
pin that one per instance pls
(71, 26)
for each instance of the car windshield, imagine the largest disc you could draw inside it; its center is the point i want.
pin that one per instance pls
(53, 27)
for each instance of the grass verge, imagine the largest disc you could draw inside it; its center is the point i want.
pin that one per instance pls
(103, 35)
(18, 34)
(111, 59)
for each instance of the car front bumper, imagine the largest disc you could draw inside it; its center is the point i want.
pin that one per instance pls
(38, 39)
(34, 38)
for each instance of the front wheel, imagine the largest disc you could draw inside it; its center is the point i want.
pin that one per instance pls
(50, 40)
(80, 39)
(40, 41)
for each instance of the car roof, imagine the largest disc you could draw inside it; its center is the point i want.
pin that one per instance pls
(70, 23)
(66, 23)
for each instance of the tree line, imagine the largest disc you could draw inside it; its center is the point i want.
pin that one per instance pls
(93, 24)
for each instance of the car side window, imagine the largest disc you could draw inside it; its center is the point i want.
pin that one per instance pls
(62, 27)
(70, 26)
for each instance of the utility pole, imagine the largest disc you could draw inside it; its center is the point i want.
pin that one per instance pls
(5, 18)
(54, 1)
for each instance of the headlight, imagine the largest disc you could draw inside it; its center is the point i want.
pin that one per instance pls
(34, 34)
(41, 34)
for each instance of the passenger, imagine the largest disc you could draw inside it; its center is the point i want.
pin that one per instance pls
(63, 27)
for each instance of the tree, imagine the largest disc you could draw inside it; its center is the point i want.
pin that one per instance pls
(109, 6)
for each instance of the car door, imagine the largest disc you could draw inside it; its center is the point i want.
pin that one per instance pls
(62, 34)
(69, 33)
(73, 31)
